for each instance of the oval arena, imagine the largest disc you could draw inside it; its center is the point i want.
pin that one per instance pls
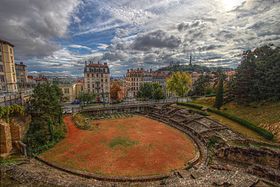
(153, 144)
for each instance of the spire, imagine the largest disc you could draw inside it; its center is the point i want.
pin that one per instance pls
(190, 64)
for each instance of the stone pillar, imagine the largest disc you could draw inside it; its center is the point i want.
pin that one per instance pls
(5, 139)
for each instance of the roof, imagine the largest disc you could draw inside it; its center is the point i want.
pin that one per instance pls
(20, 64)
(6, 42)
(97, 65)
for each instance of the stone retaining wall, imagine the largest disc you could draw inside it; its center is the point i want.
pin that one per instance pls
(5, 139)
(103, 177)
(267, 158)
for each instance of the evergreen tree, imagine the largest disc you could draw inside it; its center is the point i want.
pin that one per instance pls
(220, 92)
(200, 86)
(244, 88)
(257, 76)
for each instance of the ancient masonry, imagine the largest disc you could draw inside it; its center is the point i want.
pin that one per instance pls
(225, 158)
(5, 139)
(11, 135)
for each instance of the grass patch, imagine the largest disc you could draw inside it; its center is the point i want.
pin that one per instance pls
(122, 141)
(10, 160)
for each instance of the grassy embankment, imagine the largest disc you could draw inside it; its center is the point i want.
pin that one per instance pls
(265, 115)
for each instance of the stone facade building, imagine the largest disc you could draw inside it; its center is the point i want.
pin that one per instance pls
(21, 73)
(97, 80)
(8, 80)
(134, 78)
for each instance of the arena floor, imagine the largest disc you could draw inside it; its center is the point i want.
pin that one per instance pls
(133, 146)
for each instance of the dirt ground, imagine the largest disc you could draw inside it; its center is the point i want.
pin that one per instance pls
(156, 149)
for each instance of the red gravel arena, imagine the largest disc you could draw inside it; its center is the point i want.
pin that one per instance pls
(133, 146)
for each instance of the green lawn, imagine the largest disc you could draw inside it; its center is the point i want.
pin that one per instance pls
(266, 115)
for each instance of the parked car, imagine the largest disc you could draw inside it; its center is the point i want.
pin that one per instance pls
(76, 102)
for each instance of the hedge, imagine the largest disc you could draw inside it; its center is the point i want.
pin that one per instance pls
(199, 111)
(199, 107)
(263, 132)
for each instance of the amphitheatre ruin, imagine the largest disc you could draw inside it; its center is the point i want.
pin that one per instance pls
(152, 145)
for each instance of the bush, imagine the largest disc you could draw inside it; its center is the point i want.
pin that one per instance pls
(263, 132)
(39, 137)
(81, 122)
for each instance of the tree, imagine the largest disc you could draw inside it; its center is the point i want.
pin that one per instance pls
(45, 109)
(244, 89)
(86, 98)
(257, 76)
(114, 90)
(179, 83)
(201, 86)
(220, 93)
(150, 91)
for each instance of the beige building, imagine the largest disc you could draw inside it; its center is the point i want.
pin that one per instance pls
(68, 91)
(8, 80)
(78, 88)
(97, 80)
(135, 78)
(21, 73)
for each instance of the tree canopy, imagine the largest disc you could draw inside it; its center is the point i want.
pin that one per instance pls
(86, 98)
(150, 91)
(201, 86)
(46, 127)
(179, 83)
(219, 101)
(257, 76)
(114, 90)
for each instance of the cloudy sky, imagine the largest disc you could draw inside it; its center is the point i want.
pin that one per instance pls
(58, 36)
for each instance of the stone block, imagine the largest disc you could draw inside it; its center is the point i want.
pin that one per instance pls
(5, 138)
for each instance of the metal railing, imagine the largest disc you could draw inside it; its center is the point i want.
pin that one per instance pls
(73, 109)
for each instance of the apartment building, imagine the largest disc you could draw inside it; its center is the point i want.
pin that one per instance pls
(8, 80)
(134, 78)
(68, 92)
(97, 80)
(21, 74)
(160, 77)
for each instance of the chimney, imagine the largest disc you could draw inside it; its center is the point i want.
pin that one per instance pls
(105, 63)
(151, 70)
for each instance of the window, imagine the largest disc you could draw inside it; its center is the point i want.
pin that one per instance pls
(66, 90)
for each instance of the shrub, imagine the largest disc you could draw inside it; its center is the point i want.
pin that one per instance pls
(81, 122)
(263, 132)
